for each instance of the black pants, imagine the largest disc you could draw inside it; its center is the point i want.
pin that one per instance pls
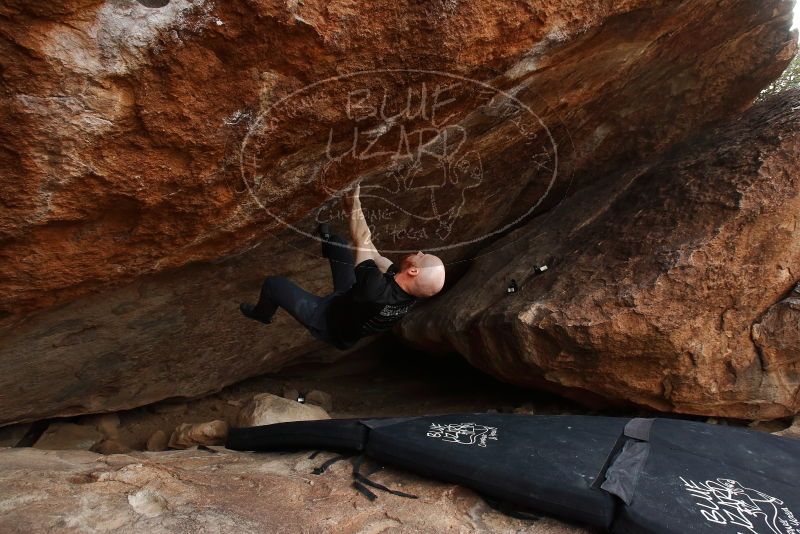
(309, 309)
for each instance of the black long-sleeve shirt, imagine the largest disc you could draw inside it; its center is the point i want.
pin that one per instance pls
(373, 305)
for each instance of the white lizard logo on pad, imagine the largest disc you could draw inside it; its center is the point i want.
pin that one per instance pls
(463, 433)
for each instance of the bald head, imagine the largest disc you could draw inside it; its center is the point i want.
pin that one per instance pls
(421, 275)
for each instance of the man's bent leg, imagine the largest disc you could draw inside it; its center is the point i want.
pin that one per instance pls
(279, 291)
(342, 263)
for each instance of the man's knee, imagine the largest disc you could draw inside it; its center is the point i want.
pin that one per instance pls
(334, 242)
(336, 238)
(337, 248)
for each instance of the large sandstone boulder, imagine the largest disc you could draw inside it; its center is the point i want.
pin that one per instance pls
(669, 285)
(189, 491)
(148, 151)
(176, 334)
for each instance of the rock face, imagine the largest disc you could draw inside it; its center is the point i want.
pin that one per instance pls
(176, 334)
(199, 491)
(669, 285)
(140, 144)
(120, 115)
(777, 334)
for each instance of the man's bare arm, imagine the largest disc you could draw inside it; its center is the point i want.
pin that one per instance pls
(361, 234)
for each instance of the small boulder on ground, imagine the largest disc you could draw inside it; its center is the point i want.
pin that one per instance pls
(158, 441)
(268, 409)
(111, 446)
(188, 434)
(321, 399)
(59, 436)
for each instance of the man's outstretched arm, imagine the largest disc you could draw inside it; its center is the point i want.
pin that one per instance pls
(361, 234)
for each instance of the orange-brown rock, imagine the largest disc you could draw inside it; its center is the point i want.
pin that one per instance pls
(122, 123)
(776, 335)
(145, 154)
(669, 285)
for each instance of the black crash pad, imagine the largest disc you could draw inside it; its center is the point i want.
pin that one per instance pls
(622, 475)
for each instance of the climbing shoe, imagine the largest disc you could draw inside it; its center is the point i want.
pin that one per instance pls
(248, 310)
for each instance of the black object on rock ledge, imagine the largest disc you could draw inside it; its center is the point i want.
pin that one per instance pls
(620, 474)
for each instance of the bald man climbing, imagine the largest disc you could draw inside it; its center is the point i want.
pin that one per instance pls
(370, 293)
